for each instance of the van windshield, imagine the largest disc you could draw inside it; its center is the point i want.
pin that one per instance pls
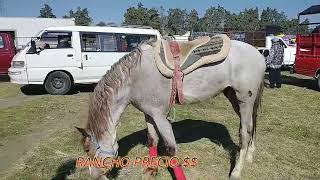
(54, 40)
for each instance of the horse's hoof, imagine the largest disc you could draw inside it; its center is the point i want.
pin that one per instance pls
(151, 171)
(235, 176)
(103, 178)
(249, 158)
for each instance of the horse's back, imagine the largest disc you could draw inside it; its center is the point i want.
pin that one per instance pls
(247, 53)
(247, 65)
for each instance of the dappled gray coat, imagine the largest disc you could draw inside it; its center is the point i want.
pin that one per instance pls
(275, 58)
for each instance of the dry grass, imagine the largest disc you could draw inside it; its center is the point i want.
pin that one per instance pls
(8, 90)
(287, 139)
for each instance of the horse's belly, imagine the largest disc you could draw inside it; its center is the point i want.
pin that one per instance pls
(205, 83)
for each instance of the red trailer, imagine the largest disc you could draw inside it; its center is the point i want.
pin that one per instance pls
(7, 51)
(308, 48)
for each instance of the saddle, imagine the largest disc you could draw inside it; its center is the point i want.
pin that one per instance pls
(175, 59)
(192, 54)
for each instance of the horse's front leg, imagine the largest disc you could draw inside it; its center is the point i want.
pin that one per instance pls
(165, 129)
(153, 140)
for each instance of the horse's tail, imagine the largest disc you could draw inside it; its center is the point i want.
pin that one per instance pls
(256, 107)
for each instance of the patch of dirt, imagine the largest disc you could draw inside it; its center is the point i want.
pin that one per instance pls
(15, 101)
(15, 150)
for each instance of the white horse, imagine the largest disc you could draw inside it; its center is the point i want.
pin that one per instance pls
(136, 80)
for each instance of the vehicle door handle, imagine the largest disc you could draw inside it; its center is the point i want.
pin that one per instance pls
(69, 55)
(86, 57)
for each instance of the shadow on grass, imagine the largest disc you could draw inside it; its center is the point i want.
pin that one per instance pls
(34, 90)
(65, 169)
(185, 131)
(4, 78)
(309, 83)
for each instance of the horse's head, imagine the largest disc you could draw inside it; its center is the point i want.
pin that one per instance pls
(87, 142)
(94, 150)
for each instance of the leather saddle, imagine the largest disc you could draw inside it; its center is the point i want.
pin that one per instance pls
(192, 54)
(184, 49)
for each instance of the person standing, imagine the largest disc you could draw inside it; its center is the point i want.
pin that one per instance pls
(274, 62)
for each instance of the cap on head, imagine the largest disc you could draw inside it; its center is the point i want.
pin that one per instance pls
(274, 40)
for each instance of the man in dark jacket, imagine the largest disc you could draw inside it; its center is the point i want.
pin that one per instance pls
(274, 62)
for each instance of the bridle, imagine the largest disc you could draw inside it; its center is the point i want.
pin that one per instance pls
(100, 150)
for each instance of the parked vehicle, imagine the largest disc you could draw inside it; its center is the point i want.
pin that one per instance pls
(289, 51)
(23, 28)
(308, 49)
(7, 51)
(63, 56)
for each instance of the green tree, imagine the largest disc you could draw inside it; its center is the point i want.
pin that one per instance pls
(135, 16)
(249, 20)
(142, 16)
(46, 12)
(193, 21)
(272, 17)
(153, 19)
(177, 21)
(81, 16)
(214, 19)
(304, 28)
(232, 21)
(163, 20)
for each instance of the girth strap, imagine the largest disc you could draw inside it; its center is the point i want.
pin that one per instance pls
(177, 84)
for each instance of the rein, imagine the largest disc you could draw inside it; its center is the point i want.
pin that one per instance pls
(177, 79)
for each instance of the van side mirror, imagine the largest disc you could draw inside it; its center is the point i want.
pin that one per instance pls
(33, 48)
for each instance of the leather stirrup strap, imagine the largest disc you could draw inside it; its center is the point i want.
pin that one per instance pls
(177, 85)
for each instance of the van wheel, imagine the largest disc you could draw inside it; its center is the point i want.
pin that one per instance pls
(58, 83)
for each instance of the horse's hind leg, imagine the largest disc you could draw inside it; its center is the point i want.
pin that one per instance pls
(153, 140)
(246, 130)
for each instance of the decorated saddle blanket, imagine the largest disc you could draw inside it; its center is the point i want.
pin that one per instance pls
(190, 55)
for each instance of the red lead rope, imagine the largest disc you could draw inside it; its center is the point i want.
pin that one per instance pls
(177, 88)
(177, 79)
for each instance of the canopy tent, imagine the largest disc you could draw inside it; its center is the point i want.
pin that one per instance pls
(311, 10)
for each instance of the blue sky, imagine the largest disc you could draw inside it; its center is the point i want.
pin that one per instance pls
(112, 10)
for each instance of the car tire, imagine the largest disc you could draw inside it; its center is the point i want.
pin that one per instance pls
(291, 70)
(318, 81)
(58, 83)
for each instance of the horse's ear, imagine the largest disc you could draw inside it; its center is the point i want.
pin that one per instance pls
(83, 132)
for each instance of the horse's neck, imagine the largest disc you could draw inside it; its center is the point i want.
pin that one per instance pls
(119, 103)
(117, 106)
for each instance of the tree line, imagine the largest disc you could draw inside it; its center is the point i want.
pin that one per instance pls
(81, 15)
(178, 21)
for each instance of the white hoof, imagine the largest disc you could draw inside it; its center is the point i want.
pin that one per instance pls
(249, 158)
(235, 176)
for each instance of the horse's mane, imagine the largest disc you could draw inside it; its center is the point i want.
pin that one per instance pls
(99, 117)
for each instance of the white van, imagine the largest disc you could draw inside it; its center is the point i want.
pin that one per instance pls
(63, 56)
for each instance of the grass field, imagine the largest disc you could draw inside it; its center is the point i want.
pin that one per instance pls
(38, 139)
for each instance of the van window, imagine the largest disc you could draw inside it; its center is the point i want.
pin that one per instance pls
(108, 42)
(130, 41)
(89, 42)
(101, 42)
(55, 40)
(1, 42)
